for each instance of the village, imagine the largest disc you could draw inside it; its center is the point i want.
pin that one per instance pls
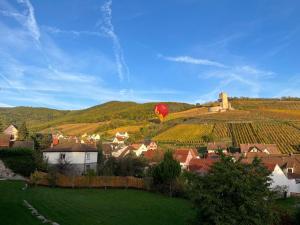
(83, 154)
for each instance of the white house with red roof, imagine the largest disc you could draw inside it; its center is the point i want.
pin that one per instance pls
(138, 148)
(184, 156)
(120, 137)
(151, 145)
(279, 179)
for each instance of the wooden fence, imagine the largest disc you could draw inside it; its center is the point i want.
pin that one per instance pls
(39, 178)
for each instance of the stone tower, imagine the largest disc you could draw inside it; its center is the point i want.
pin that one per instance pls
(224, 100)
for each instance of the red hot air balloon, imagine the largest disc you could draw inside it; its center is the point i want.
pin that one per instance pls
(161, 110)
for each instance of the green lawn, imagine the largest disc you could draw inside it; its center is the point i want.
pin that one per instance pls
(289, 204)
(90, 206)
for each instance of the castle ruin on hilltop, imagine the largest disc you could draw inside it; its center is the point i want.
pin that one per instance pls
(224, 104)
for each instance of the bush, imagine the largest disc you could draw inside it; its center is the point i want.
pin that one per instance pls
(19, 160)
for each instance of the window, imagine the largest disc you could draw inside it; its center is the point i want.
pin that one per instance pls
(62, 156)
(87, 156)
(87, 167)
(290, 170)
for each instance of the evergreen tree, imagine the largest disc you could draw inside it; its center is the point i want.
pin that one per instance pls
(23, 132)
(166, 172)
(233, 193)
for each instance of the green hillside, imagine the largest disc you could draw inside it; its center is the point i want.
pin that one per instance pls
(41, 118)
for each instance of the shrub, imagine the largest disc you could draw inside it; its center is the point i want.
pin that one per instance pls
(19, 160)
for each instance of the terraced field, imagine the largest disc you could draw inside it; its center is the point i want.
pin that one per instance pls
(221, 131)
(195, 112)
(77, 128)
(130, 129)
(243, 133)
(287, 137)
(186, 133)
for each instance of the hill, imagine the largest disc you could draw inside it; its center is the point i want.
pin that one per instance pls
(253, 120)
(124, 112)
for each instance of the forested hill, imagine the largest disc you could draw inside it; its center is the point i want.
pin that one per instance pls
(44, 117)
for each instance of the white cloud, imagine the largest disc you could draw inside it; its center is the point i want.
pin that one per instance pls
(109, 30)
(76, 33)
(5, 105)
(191, 60)
(30, 22)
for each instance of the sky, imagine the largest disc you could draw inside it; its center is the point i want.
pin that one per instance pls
(74, 54)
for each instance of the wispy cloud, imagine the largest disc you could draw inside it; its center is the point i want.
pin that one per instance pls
(191, 60)
(238, 80)
(108, 29)
(26, 18)
(76, 33)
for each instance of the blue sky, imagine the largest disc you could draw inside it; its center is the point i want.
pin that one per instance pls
(75, 54)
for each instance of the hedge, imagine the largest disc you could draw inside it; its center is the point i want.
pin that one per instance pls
(19, 160)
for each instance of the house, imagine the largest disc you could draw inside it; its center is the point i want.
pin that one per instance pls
(153, 156)
(251, 150)
(81, 157)
(214, 147)
(200, 166)
(120, 137)
(184, 156)
(138, 149)
(12, 131)
(120, 152)
(5, 141)
(151, 145)
(280, 180)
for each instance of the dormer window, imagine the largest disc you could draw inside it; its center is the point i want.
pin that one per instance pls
(290, 170)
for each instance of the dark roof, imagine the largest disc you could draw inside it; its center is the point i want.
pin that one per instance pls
(23, 144)
(71, 147)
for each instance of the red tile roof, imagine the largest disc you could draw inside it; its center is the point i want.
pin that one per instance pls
(270, 166)
(271, 148)
(200, 165)
(154, 155)
(182, 154)
(216, 146)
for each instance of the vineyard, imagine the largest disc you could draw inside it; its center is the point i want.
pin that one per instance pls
(286, 137)
(221, 131)
(185, 133)
(76, 128)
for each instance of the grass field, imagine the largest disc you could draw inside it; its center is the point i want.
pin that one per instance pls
(90, 206)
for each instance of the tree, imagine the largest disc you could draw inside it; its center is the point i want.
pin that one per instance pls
(23, 132)
(208, 138)
(166, 172)
(1, 126)
(233, 193)
(41, 141)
